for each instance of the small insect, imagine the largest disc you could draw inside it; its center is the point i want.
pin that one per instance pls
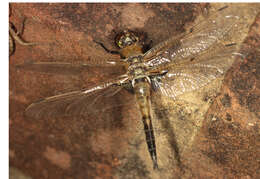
(14, 35)
(178, 65)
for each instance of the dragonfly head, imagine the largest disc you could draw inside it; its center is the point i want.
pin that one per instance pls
(126, 38)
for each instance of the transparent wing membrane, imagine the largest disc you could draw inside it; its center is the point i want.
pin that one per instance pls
(54, 67)
(95, 100)
(197, 73)
(201, 38)
(67, 68)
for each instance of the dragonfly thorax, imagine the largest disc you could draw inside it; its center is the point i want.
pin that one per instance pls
(135, 59)
(137, 71)
(136, 68)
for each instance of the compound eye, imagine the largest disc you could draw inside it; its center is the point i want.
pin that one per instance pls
(129, 41)
(126, 38)
(119, 43)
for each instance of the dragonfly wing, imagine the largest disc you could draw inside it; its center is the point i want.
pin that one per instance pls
(66, 68)
(202, 38)
(94, 100)
(200, 71)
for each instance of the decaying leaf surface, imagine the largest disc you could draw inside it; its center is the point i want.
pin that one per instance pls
(224, 144)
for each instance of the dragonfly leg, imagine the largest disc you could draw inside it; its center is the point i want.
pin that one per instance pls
(106, 49)
(147, 46)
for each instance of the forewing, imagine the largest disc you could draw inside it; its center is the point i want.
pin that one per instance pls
(201, 38)
(92, 101)
(200, 71)
(66, 68)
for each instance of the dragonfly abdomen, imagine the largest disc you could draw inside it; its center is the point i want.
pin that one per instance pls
(142, 91)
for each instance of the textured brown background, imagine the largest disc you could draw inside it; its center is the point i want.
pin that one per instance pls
(227, 145)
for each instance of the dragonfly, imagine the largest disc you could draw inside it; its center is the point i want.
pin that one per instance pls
(181, 64)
